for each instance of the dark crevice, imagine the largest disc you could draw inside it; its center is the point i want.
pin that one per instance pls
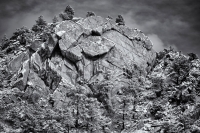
(83, 35)
(95, 33)
(56, 51)
(94, 58)
(31, 52)
(107, 30)
(8, 50)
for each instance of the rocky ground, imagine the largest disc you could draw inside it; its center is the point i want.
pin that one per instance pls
(94, 75)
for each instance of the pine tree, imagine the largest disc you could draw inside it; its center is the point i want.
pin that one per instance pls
(40, 21)
(67, 119)
(94, 115)
(87, 112)
(40, 24)
(124, 109)
(69, 11)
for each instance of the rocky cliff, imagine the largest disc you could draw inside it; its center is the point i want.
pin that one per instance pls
(93, 75)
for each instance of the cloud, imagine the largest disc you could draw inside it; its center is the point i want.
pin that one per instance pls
(130, 22)
(158, 44)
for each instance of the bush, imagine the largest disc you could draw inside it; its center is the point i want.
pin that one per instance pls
(20, 32)
(192, 56)
(4, 42)
(120, 20)
(160, 55)
(90, 14)
(155, 108)
(36, 28)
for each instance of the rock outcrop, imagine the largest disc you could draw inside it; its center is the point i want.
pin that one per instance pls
(91, 74)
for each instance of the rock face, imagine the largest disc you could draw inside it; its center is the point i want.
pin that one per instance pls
(78, 52)
(114, 46)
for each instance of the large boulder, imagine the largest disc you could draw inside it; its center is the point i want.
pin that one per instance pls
(37, 84)
(72, 29)
(36, 62)
(69, 32)
(96, 24)
(96, 46)
(35, 45)
(22, 76)
(123, 46)
(63, 68)
(16, 63)
(74, 53)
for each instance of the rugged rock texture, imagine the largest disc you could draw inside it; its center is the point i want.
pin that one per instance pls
(92, 75)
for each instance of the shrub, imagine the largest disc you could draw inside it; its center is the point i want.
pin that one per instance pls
(160, 55)
(192, 56)
(20, 32)
(90, 14)
(155, 108)
(120, 20)
(36, 28)
(196, 112)
(4, 42)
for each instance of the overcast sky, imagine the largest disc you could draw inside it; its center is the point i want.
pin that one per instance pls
(166, 22)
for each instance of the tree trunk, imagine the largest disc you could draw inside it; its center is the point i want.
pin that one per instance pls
(123, 126)
(76, 124)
